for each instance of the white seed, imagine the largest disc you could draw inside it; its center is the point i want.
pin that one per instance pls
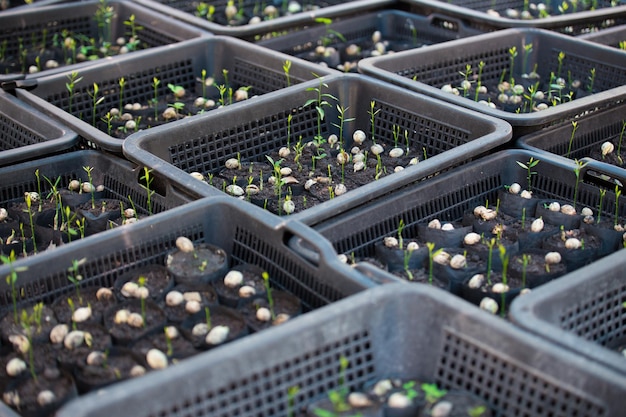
(192, 307)
(96, 358)
(252, 189)
(342, 258)
(441, 409)
(458, 261)
(358, 137)
(377, 149)
(398, 400)
(289, 206)
(476, 281)
(285, 171)
(88, 187)
(174, 298)
(232, 163)
(81, 314)
(45, 397)
(247, 291)
(137, 370)
(51, 63)
(382, 387)
(15, 367)
(489, 304)
(466, 85)
(573, 243)
(619, 228)
(471, 238)
(355, 150)
(309, 183)
(607, 148)
(142, 293)
(20, 343)
(442, 258)
(74, 185)
(235, 190)
(156, 359)
(129, 289)
(11, 398)
(552, 258)
(376, 36)
(263, 314)
(130, 125)
(343, 157)
(412, 246)
(396, 152)
(447, 88)
(537, 225)
(515, 188)
(74, 339)
(447, 226)
(586, 211)
(184, 244)
(171, 332)
(209, 104)
(359, 156)
(414, 161)
(121, 316)
(434, 224)
(332, 139)
(359, 166)
(4, 214)
(391, 242)
(281, 318)
(284, 152)
(169, 113)
(340, 189)
(58, 333)
(217, 335)
(359, 400)
(554, 206)
(233, 279)
(542, 106)
(526, 194)
(499, 288)
(482, 89)
(199, 102)
(589, 219)
(568, 209)
(240, 95)
(489, 214)
(135, 320)
(200, 329)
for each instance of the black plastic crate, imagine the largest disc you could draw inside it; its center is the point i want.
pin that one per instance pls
(27, 134)
(187, 11)
(570, 17)
(179, 64)
(399, 31)
(615, 37)
(584, 139)
(449, 196)
(400, 331)
(429, 69)
(449, 135)
(28, 29)
(583, 313)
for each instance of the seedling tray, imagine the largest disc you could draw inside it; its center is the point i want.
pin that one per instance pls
(438, 65)
(571, 21)
(187, 11)
(448, 135)
(27, 134)
(433, 338)
(178, 64)
(24, 28)
(448, 196)
(589, 133)
(401, 30)
(583, 314)
(611, 36)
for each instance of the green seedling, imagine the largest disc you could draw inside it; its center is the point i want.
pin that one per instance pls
(602, 194)
(11, 279)
(490, 245)
(432, 393)
(133, 27)
(27, 198)
(75, 277)
(207, 317)
(512, 55)
(92, 187)
(25, 322)
(268, 290)
(592, 79)
(122, 84)
(504, 258)
(618, 192)
(141, 282)
(528, 166)
(571, 138)
(431, 255)
(342, 120)
(619, 143)
(95, 100)
(147, 179)
(319, 102)
(479, 82)
(579, 166)
(155, 99)
(286, 69)
(70, 85)
(292, 392)
(373, 114)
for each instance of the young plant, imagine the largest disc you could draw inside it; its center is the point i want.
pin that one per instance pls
(618, 192)
(141, 282)
(11, 279)
(75, 277)
(26, 323)
(122, 83)
(73, 79)
(592, 79)
(619, 143)
(95, 100)
(525, 261)
(268, 290)
(504, 258)
(147, 182)
(579, 166)
(207, 318)
(432, 393)
(92, 187)
(373, 114)
(528, 166)
(29, 203)
(431, 255)
(571, 138)
(342, 120)
(602, 194)
(155, 99)
(291, 400)
(512, 55)
(490, 245)
(320, 102)
(286, 69)
(104, 16)
(133, 27)
(479, 82)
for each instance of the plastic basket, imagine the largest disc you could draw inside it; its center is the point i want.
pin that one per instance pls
(611, 36)
(409, 332)
(185, 11)
(448, 196)
(590, 133)
(583, 314)
(179, 64)
(442, 64)
(26, 27)
(570, 21)
(396, 27)
(449, 135)
(27, 134)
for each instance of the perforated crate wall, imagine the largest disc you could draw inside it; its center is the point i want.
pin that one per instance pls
(448, 196)
(516, 373)
(612, 37)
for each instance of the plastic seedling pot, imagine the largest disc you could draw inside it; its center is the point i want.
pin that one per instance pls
(268, 25)
(568, 17)
(575, 77)
(582, 314)
(434, 338)
(56, 38)
(230, 62)
(28, 134)
(448, 135)
(396, 30)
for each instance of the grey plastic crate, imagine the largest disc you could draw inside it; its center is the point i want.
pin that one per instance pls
(571, 21)
(178, 64)
(185, 11)
(427, 70)
(27, 134)
(25, 26)
(397, 330)
(611, 36)
(397, 28)
(583, 313)
(591, 132)
(450, 135)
